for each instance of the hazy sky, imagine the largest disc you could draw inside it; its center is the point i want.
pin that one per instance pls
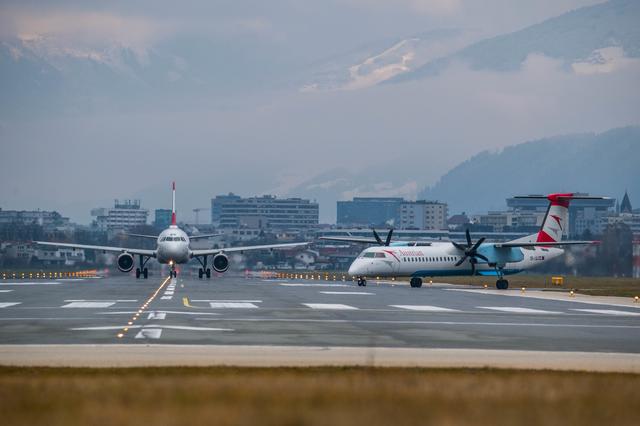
(270, 137)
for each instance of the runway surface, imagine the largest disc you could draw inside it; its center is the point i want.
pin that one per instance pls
(234, 311)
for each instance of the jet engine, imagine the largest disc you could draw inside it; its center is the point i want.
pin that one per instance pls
(220, 263)
(125, 262)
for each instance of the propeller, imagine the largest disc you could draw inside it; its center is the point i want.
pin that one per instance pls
(379, 240)
(470, 252)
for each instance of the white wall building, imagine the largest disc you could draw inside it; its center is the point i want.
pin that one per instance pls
(123, 215)
(423, 215)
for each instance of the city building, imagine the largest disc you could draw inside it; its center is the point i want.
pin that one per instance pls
(266, 212)
(369, 211)
(626, 216)
(124, 215)
(216, 205)
(162, 218)
(423, 214)
(46, 219)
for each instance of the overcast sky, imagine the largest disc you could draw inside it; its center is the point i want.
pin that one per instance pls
(273, 137)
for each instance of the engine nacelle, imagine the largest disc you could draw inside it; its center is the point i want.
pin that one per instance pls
(125, 262)
(220, 263)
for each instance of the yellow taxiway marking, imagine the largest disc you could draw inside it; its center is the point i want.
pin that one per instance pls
(185, 302)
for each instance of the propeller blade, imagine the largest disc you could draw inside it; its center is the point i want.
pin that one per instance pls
(482, 257)
(459, 246)
(473, 268)
(477, 244)
(377, 237)
(388, 241)
(461, 261)
(468, 234)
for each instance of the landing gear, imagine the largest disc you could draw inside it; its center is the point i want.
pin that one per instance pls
(204, 270)
(173, 273)
(502, 284)
(142, 270)
(362, 282)
(416, 282)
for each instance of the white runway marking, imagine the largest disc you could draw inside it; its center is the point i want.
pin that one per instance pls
(149, 333)
(88, 305)
(172, 327)
(608, 312)
(313, 285)
(31, 283)
(7, 304)
(101, 300)
(232, 305)
(70, 279)
(424, 308)
(517, 310)
(157, 315)
(164, 312)
(226, 300)
(363, 293)
(330, 306)
(6, 291)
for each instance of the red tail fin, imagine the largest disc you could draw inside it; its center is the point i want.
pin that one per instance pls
(556, 218)
(173, 206)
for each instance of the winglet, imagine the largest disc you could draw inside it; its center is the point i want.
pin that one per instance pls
(173, 206)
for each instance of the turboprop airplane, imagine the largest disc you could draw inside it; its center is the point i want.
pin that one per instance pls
(173, 248)
(431, 259)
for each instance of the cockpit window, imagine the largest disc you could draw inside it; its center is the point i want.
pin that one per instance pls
(369, 255)
(169, 239)
(380, 255)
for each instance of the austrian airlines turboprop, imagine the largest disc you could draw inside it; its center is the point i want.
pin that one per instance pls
(431, 259)
(173, 248)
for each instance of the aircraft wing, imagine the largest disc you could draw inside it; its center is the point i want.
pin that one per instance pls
(143, 252)
(348, 239)
(208, 252)
(199, 237)
(152, 237)
(549, 244)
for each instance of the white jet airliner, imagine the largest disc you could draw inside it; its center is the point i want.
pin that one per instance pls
(431, 259)
(173, 248)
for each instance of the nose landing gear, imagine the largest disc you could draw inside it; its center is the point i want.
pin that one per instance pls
(362, 282)
(501, 284)
(416, 282)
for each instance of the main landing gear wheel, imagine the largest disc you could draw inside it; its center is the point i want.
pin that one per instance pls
(145, 273)
(502, 284)
(416, 282)
(200, 273)
(208, 273)
(362, 282)
(137, 273)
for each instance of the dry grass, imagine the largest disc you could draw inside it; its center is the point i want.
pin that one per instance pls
(595, 286)
(314, 396)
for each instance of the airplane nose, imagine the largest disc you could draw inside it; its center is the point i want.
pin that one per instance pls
(355, 269)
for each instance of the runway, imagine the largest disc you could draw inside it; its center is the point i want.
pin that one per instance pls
(234, 311)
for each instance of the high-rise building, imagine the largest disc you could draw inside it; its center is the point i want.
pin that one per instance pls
(216, 205)
(124, 215)
(369, 211)
(423, 214)
(265, 212)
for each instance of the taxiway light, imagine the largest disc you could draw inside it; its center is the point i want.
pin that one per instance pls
(571, 293)
(636, 299)
(485, 286)
(125, 329)
(120, 335)
(522, 289)
(130, 323)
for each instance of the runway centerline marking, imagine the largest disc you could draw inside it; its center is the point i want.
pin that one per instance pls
(608, 312)
(331, 306)
(348, 293)
(157, 315)
(8, 304)
(149, 333)
(232, 305)
(160, 311)
(424, 308)
(517, 310)
(169, 327)
(88, 305)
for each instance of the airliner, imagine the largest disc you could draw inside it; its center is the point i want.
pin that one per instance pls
(431, 259)
(173, 248)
